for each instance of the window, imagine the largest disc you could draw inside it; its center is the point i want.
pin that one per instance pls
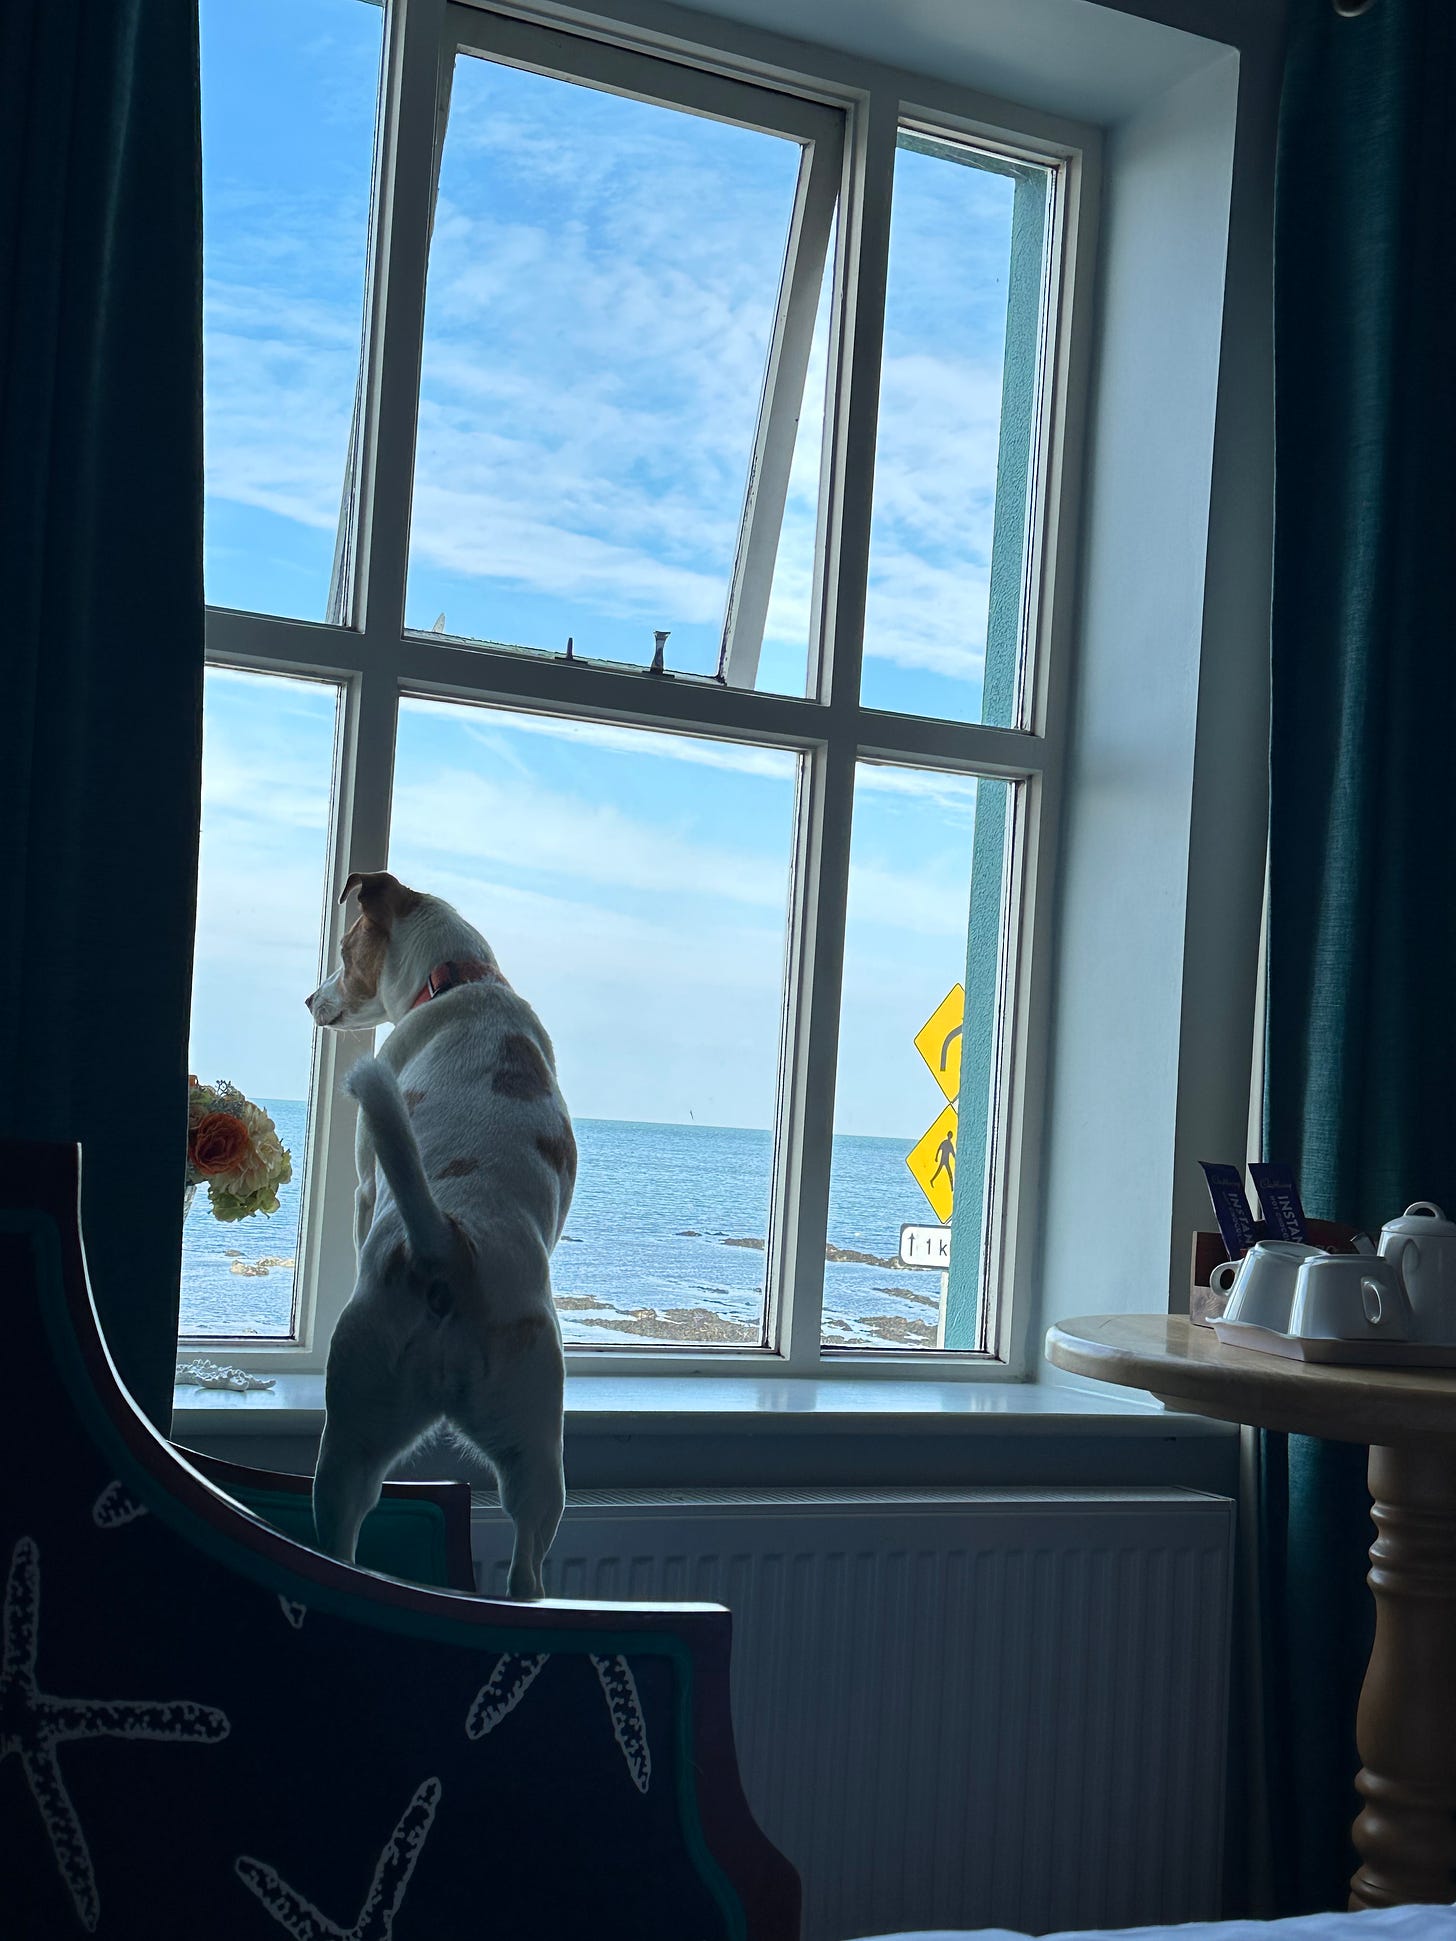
(636, 885)
(267, 767)
(628, 487)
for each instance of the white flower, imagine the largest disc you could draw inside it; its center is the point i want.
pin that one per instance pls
(267, 1163)
(201, 1099)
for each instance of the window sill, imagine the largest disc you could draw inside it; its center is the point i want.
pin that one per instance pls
(645, 1405)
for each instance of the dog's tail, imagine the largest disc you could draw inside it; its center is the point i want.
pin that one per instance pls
(373, 1084)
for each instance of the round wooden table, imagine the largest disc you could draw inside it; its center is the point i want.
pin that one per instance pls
(1405, 1833)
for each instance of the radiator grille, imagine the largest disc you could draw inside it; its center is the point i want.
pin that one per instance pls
(954, 1708)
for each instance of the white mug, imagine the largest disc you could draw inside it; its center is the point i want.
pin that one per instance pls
(1260, 1287)
(1350, 1297)
(1421, 1246)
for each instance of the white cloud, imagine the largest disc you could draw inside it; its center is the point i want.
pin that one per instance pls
(465, 816)
(464, 822)
(652, 1018)
(919, 614)
(487, 533)
(599, 305)
(954, 795)
(273, 797)
(496, 730)
(888, 904)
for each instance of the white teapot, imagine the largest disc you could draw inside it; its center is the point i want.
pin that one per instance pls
(1421, 1246)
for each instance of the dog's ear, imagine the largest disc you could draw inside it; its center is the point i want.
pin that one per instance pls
(382, 897)
(366, 882)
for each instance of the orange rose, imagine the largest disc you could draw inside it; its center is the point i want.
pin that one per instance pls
(218, 1144)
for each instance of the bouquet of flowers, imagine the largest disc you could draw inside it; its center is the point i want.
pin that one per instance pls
(234, 1146)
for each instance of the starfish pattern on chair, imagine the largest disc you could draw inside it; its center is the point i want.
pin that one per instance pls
(624, 1708)
(116, 1506)
(512, 1677)
(391, 1877)
(33, 1723)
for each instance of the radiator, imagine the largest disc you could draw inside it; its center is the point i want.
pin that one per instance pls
(953, 1708)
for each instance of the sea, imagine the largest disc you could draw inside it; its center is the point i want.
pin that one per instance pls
(665, 1241)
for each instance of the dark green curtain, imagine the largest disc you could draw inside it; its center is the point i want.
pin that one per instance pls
(1361, 1052)
(101, 624)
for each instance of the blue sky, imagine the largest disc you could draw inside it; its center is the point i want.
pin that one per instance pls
(601, 290)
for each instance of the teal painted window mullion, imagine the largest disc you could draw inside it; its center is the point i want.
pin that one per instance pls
(1000, 693)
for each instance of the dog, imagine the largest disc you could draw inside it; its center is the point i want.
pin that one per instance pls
(466, 1163)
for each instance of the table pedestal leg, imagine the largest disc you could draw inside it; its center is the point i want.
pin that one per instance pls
(1406, 1831)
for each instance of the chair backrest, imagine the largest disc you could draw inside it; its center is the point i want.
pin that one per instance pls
(219, 1731)
(418, 1531)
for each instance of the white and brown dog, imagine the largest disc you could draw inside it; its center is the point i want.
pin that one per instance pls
(466, 1164)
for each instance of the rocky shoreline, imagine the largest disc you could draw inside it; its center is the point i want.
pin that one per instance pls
(265, 1263)
(851, 1255)
(704, 1326)
(700, 1326)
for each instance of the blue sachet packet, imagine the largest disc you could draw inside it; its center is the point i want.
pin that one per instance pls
(1279, 1198)
(1230, 1207)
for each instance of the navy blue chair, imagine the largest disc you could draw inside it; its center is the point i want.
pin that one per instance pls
(209, 1729)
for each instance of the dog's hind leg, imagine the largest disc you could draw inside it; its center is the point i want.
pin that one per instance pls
(516, 1424)
(373, 1415)
(533, 1494)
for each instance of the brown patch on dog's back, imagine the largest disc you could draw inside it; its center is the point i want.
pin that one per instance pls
(559, 1149)
(413, 1099)
(521, 1072)
(458, 1169)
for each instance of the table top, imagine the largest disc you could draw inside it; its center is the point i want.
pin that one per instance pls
(1189, 1368)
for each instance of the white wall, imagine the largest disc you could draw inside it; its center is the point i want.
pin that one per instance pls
(1134, 720)
(1163, 840)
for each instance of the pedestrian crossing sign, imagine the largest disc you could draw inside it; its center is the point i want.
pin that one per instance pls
(939, 1040)
(933, 1160)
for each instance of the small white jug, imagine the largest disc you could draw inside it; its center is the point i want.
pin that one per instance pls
(1421, 1246)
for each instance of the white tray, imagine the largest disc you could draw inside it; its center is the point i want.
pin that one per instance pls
(1358, 1354)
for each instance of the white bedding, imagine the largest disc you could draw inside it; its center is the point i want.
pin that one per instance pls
(1378, 1924)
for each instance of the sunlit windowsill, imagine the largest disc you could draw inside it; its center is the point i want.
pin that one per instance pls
(704, 1405)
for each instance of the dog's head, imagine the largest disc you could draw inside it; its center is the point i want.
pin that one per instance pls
(362, 992)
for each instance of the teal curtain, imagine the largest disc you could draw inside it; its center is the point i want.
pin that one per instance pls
(101, 623)
(1361, 1053)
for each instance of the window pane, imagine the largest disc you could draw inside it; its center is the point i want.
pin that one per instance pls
(918, 1053)
(635, 888)
(288, 103)
(957, 423)
(604, 274)
(267, 779)
(784, 665)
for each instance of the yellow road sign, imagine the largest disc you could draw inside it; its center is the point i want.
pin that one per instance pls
(939, 1041)
(933, 1162)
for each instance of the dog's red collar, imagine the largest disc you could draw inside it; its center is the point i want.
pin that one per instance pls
(444, 977)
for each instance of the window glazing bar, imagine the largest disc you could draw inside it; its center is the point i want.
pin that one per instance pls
(416, 80)
(780, 408)
(968, 1322)
(575, 56)
(822, 887)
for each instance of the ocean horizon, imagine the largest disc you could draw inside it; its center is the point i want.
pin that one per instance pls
(665, 1241)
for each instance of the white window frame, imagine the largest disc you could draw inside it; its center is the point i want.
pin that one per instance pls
(364, 648)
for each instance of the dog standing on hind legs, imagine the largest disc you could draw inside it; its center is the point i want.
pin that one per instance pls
(466, 1163)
